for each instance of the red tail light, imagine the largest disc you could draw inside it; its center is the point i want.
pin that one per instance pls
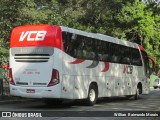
(11, 81)
(55, 78)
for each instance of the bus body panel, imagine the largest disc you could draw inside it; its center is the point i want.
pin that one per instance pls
(30, 70)
(36, 75)
(112, 82)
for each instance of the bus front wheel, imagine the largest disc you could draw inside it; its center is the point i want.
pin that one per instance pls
(92, 95)
(136, 96)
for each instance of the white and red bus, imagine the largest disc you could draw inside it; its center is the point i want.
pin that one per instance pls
(55, 62)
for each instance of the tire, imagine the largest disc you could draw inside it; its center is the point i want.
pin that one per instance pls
(92, 95)
(136, 96)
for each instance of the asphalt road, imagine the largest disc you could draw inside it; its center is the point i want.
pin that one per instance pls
(76, 110)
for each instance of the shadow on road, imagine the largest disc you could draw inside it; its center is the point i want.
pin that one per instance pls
(81, 103)
(149, 102)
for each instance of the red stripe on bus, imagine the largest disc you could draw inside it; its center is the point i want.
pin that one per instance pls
(77, 61)
(106, 68)
(141, 48)
(124, 69)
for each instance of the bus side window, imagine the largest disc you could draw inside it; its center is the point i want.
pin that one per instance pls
(111, 53)
(121, 53)
(106, 51)
(117, 53)
(68, 42)
(99, 50)
(84, 45)
(103, 51)
(71, 43)
(70, 49)
(89, 48)
(136, 58)
(64, 37)
(76, 39)
(79, 48)
(126, 56)
(114, 56)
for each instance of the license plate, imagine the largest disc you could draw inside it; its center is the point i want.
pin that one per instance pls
(30, 91)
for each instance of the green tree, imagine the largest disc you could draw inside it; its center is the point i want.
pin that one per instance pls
(155, 41)
(20, 12)
(139, 21)
(125, 19)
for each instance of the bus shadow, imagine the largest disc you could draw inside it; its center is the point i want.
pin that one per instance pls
(81, 103)
(115, 99)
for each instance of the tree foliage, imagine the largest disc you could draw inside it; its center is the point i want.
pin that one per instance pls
(131, 20)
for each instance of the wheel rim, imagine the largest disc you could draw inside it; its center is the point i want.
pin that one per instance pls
(92, 95)
(137, 92)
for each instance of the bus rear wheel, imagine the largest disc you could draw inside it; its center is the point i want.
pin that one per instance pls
(136, 96)
(92, 95)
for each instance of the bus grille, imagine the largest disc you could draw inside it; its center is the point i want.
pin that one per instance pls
(31, 57)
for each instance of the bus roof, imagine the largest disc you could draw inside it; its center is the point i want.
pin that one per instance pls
(100, 37)
(43, 35)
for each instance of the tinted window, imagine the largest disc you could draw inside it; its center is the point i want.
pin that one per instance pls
(136, 58)
(83, 47)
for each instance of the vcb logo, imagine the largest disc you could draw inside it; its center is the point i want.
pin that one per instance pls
(33, 36)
